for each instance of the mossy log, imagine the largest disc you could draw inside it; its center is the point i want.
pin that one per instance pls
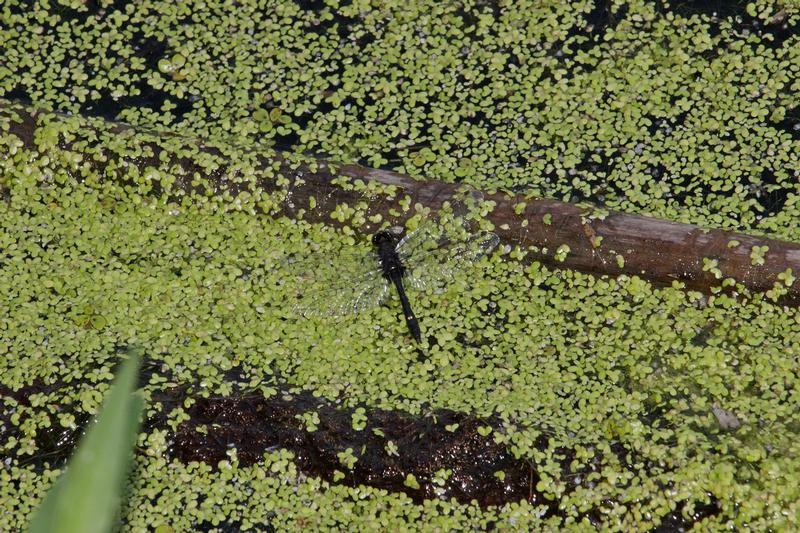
(558, 234)
(601, 242)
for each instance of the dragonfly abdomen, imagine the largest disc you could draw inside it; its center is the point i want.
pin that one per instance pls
(393, 271)
(408, 313)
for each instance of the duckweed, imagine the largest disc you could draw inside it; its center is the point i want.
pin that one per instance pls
(542, 350)
(605, 113)
(757, 254)
(686, 116)
(561, 253)
(411, 482)
(787, 277)
(711, 265)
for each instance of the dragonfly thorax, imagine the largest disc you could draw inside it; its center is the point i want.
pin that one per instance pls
(385, 243)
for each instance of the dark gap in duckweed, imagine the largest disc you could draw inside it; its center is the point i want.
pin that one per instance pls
(769, 193)
(425, 448)
(343, 23)
(594, 173)
(704, 334)
(317, 5)
(53, 444)
(790, 123)
(711, 8)
(736, 13)
(583, 38)
(685, 186)
(254, 426)
(70, 14)
(469, 19)
(287, 141)
(148, 48)
(89, 9)
(19, 95)
(108, 108)
(675, 521)
(233, 527)
(393, 158)
(493, 6)
(151, 50)
(344, 28)
(600, 19)
(668, 125)
(150, 367)
(365, 40)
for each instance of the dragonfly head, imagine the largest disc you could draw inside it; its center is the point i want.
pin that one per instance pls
(383, 237)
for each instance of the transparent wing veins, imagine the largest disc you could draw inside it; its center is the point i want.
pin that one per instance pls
(351, 281)
(336, 284)
(435, 252)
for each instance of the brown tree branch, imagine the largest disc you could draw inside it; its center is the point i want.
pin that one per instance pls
(557, 234)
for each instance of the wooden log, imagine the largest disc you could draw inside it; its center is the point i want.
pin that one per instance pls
(557, 234)
(600, 242)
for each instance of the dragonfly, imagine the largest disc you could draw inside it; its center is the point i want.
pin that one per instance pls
(353, 280)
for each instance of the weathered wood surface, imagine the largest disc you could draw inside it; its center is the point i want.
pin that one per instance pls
(658, 250)
(599, 242)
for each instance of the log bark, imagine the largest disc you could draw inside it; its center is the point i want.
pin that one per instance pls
(609, 243)
(557, 234)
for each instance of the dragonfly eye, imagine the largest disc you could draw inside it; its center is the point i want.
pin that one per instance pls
(382, 237)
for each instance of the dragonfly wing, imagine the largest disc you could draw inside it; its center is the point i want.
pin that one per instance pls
(418, 241)
(434, 253)
(326, 265)
(433, 235)
(343, 299)
(336, 284)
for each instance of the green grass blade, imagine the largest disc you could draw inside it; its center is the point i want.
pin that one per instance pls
(86, 498)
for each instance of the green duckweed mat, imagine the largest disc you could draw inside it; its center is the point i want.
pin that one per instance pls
(637, 407)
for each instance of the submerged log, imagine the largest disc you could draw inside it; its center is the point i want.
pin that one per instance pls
(557, 234)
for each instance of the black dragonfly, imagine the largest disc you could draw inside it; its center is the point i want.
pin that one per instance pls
(350, 282)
